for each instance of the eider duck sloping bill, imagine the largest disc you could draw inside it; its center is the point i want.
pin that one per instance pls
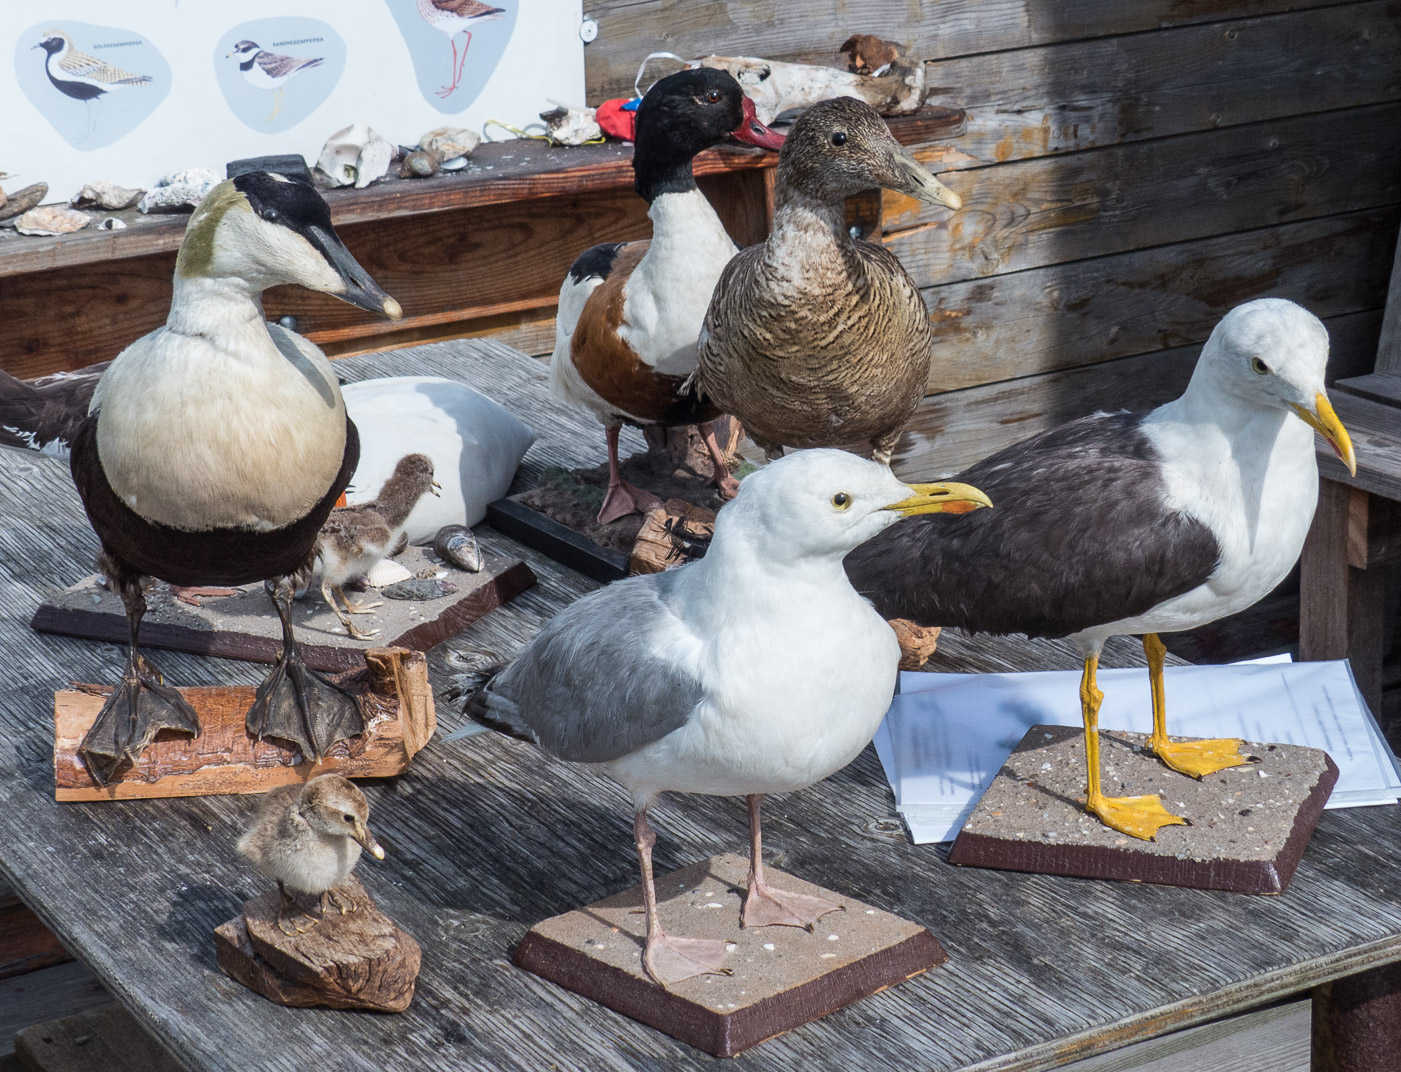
(215, 448)
(1121, 524)
(817, 339)
(630, 312)
(754, 670)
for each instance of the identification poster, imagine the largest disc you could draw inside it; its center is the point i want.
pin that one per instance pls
(133, 90)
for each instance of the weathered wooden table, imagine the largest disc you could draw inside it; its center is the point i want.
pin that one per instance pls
(487, 836)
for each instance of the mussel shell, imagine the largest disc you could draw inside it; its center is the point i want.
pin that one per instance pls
(419, 589)
(457, 545)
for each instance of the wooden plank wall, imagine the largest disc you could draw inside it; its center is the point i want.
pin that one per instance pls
(1131, 169)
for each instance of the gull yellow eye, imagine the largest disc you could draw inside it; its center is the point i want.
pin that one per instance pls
(841, 500)
(1259, 366)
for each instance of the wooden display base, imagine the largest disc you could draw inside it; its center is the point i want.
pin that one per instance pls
(245, 626)
(559, 542)
(783, 977)
(394, 695)
(355, 960)
(1250, 824)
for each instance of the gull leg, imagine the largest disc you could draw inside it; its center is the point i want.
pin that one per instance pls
(666, 959)
(1138, 817)
(1197, 758)
(622, 498)
(140, 706)
(295, 703)
(728, 485)
(765, 906)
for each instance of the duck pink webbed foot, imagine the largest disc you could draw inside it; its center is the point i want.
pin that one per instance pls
(623, 499)
(670, 960)
(766, 906)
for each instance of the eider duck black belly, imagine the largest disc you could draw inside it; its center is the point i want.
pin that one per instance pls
(224, 556)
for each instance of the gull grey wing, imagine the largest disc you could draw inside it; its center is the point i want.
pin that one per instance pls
(589, 688)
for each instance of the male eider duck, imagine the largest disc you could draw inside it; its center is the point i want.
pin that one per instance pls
(754, 670)
(1135, 524)
(215, 448)
(816, 338)
(629, 312)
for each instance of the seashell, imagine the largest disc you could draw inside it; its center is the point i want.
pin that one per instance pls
(111, 223)
(354, 156)
(419, 164)
(106, 195)
(52, 220)
(23, 200)
(571, 126)
(450, 143)
(457, 545)
(174, 198)
(420, 588)
(195, 176)
(457, 163)
(386, 572)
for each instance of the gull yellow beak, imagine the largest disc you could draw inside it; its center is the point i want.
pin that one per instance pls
(940, 499)
(1325, 422)
(367, 841)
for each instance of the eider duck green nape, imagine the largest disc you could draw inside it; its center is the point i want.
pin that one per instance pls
(215, 448)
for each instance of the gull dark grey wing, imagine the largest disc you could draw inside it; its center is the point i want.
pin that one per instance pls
(588, 688)
(1078, 535)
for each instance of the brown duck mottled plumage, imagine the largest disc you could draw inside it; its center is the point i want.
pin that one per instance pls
(814, 338)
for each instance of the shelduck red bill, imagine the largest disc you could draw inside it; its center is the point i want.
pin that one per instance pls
(754, 132)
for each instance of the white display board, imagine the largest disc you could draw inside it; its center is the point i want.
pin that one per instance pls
(130, 91)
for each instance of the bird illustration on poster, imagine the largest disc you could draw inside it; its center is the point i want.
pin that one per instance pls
(275, 72)
(452, 77)
(93, 84)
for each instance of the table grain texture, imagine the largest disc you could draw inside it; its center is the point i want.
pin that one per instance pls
(487, 836)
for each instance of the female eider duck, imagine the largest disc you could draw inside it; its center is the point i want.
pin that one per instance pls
(816, 338)
(629, 312)
(1135, 524)
(215, 448)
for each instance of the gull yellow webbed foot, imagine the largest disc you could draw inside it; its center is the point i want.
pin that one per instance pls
(1139, 817)
(1199, 758)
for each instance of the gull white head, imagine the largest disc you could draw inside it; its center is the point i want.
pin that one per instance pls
(824, 502)
(1274, 353)
(267, 229)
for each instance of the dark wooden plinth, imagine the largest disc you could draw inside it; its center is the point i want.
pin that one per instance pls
(560, 542)
(1250, 824)
(1357, 1023)
(245, 626)
(355, 960)
(783, 977)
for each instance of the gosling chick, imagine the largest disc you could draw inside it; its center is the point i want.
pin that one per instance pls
(308, 838)
(355, 538)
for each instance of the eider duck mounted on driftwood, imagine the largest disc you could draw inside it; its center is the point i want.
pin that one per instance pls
(215, 448)
(1122, 523)
(629, 312)
(815, 338)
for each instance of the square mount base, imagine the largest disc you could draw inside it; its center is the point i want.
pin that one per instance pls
(783, 977)
(1250, 824)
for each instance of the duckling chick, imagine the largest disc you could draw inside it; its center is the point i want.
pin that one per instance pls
(308, 838)
(355, 538)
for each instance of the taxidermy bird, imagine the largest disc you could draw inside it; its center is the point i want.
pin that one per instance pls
(452, 17)
(1122, 523)
(629, 312)
(754, 670)
(308, 839)
(269, 70)
(355, 538)
(214, 450)
(816, 338)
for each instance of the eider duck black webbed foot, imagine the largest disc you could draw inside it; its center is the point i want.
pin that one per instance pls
(140, 706)
(295, 703)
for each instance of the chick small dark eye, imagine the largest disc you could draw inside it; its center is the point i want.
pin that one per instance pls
(348, 818)
(1259, 366)
(841, 500)
(839, 137)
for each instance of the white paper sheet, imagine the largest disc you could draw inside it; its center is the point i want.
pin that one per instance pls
(946, 735)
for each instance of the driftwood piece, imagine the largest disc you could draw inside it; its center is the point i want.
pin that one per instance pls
(357, 959)
(780, 977)
(393, 691)
(1249, 824)
(672, 533)
(917, 642)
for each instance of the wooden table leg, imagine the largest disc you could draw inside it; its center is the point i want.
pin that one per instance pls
(1357, 1023)
(1342, 608)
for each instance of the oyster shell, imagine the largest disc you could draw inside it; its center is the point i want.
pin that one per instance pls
(450, 143)
(106, 195)
(354, 156)
(52, 220)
